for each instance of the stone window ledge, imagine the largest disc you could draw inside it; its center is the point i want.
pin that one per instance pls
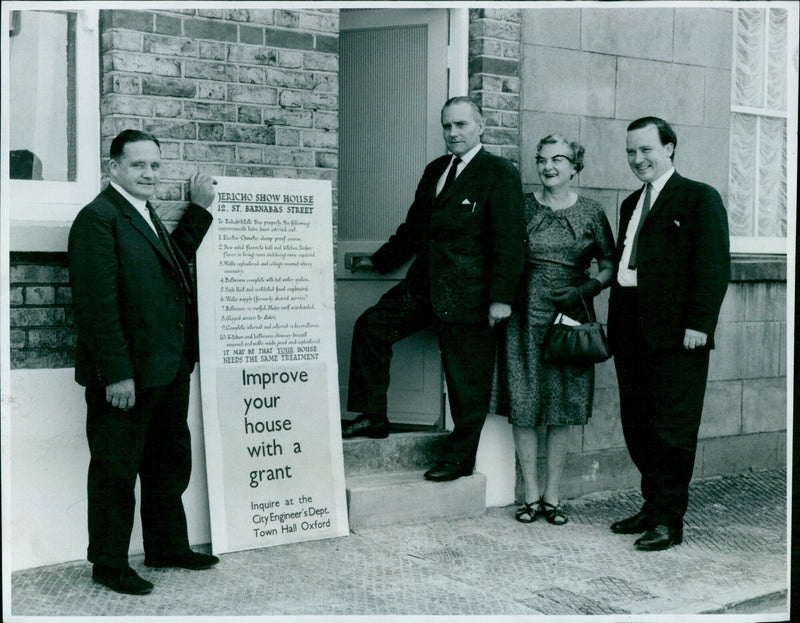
(751, 267)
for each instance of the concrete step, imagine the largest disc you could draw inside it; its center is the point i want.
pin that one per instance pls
(385, 498)
(399, 452)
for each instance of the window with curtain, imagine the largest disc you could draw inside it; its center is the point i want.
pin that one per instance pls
(758, 149)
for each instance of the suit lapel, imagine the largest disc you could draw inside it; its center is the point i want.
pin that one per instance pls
(138, 222)
(666, 195)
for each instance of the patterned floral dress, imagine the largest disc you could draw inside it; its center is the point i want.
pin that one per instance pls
(561, 247)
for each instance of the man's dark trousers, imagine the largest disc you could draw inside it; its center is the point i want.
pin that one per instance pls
(152, 440)
(467, 356)
(661, 402)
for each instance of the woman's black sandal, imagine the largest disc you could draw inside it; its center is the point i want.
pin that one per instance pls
(553, 514)
(526, 513)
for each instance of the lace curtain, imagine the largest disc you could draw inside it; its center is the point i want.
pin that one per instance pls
(757, 201)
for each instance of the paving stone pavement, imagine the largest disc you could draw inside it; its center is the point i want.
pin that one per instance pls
(734, 553)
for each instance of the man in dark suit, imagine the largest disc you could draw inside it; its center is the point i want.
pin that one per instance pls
(673, 266)
(467, 231)
(135, 309)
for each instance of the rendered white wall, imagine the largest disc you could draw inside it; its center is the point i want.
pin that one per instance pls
(45, 492)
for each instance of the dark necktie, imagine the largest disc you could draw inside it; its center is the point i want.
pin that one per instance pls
(171, 251)
(451, 174)
(645, 210)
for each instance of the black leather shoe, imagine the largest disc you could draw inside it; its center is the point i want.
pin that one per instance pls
(364, 426)
(448, 471)
(188, 560)
(121, 579)
(659, 537)
(632, 525)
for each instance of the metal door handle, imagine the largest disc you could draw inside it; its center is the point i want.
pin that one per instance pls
(354, 261)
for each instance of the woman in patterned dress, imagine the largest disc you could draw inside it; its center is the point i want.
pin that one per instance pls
(565, 233)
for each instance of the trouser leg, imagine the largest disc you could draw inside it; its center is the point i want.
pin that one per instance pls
(636, 417)
(116, 441)
(678, 383)
(165, 470)
(468, 354)
(398, 314)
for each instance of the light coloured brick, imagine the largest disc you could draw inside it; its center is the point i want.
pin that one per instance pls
(322, 62)
(288, 157)
(166, 67)
(209, 111)
(252, 94)
(211, 90)
(323, 22)
(290, 59)
(286, 136)
(174, 46)
(40, 295)
(324, 140)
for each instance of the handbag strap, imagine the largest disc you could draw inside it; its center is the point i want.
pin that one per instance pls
(589, 314)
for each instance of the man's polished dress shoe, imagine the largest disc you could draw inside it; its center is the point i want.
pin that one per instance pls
(365, 426)
(121, 579)
(659, 537)
(448, 471)
(632, 525)
(188, 560)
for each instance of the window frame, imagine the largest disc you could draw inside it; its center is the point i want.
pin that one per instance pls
(41, 211)
(758, 244)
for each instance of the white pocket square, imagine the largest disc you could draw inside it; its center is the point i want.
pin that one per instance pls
(466, 202)
(677, 223)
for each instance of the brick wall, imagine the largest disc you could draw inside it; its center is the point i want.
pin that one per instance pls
(494, 76)
(42, 333)
(230, 92)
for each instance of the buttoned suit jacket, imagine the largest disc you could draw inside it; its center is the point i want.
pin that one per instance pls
(469, 241)
(683, 264)
(130, 307)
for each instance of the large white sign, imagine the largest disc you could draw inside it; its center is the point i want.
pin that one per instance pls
(268, 365)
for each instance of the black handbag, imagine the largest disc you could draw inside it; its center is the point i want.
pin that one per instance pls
(581, 344)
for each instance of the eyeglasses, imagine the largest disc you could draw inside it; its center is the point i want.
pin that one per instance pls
(557, 159)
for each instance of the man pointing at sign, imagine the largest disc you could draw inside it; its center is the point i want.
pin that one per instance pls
(134, 303)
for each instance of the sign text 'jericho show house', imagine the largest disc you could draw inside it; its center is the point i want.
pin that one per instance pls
(268, 365)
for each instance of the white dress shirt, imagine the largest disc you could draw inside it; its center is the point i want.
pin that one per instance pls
(464, 162)
(626, 276)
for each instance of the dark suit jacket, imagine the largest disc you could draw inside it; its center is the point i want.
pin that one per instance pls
(683, 263)
(130, 308)
(469, 242)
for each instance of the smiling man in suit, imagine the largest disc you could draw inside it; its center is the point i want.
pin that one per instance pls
(135, 309)
(673, 270)
(467, 231)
